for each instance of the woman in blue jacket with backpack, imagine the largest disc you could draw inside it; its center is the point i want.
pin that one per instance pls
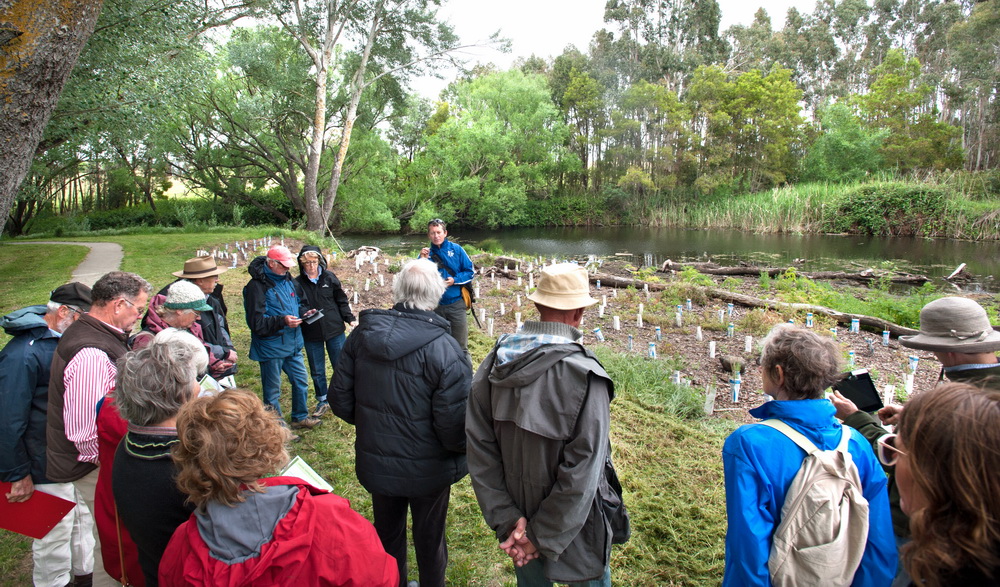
(761, 462)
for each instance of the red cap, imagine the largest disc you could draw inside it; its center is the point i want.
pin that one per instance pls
(282, 255)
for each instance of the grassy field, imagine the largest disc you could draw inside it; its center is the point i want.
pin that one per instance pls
(669, 464)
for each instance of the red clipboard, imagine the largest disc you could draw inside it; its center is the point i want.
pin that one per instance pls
(35, 517)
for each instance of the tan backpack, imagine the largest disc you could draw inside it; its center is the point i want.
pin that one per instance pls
(824, 520)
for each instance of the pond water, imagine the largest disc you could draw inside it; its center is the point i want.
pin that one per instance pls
(934, 258)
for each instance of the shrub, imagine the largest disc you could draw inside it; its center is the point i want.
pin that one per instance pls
(889, 209)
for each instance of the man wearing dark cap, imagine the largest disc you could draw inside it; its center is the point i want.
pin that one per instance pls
(958, 332)
(62, 556)
(537, 427)
(272, 302)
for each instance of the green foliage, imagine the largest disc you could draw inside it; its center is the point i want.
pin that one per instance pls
(889, 209)
(845, 150)
(490, 245)
(691, 275)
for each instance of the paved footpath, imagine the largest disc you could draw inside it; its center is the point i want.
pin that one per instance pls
(102, 258)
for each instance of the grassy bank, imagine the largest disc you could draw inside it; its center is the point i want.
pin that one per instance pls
(667, 456)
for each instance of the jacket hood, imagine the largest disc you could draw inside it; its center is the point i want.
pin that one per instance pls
(236, 534)
(525, 369)
(258, 270)
(314, 249)
(25, 319)
(392, 334)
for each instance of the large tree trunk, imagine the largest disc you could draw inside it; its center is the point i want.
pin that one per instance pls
(40, 41)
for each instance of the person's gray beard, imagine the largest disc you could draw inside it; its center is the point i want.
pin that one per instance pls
(63, 324)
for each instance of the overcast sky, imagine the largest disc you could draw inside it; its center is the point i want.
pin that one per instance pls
(545, 27)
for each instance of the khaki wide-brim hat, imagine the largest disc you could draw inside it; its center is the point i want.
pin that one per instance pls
(200, 267)
(564, 287)
(954, 325)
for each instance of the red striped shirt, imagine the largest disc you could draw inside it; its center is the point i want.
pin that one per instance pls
(88, 377)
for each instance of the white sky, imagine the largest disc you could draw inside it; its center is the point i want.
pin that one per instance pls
(545, 27)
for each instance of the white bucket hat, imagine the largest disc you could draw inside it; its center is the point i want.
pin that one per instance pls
(954, 325)
(564, 287)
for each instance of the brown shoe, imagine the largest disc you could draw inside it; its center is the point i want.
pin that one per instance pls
(307, 423)
(321, 409)
(83, 580)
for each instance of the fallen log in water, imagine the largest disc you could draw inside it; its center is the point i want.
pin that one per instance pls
(865, 275)
(878, 324)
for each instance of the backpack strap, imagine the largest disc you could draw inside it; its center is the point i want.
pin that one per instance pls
(803, 442)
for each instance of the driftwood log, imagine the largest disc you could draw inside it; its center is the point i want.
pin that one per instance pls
(877, 324)
(865, 275)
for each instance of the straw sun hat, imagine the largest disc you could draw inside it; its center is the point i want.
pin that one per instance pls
(954, 325)
(564, 287)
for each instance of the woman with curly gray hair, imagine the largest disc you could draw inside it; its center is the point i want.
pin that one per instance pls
(760, 462)
(138, 504)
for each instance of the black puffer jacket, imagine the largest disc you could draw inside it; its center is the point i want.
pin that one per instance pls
(326, 295)
(403, 381)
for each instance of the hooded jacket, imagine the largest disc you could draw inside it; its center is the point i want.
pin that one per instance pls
(403, 381)
(760, 464)
(24, 394)
(153, 324)
(537, 428)
(214, 328)
(292, 534)
(325, 295)
(267, 299)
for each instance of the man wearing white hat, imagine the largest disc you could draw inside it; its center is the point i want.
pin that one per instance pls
(958, 332)
(537, 427)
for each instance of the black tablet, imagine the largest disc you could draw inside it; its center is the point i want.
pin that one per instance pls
(858, 387)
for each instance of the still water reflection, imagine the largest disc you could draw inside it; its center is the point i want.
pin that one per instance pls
(934, 258)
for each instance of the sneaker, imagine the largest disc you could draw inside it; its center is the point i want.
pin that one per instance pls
(307, 423)
(321, 409)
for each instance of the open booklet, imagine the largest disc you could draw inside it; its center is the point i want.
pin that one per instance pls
(301, 469)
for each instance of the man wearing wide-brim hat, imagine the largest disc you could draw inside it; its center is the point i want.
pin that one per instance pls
(958, 332)
(540, 406)
(204, 272)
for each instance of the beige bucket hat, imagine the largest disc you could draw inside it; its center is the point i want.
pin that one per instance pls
(954, 325)
(199, 267)
(564, 287)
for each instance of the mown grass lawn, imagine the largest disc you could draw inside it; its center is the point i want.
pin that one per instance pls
(670, 466)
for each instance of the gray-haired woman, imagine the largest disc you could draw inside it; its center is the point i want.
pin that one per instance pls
(152, 385)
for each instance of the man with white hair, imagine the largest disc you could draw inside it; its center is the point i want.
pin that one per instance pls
(403, 380)
(63, 556)
(537, 431)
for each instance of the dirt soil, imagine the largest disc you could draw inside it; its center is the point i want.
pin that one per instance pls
(888, 364)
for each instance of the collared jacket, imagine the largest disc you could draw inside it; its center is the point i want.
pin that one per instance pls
(403, 381)
(325, 295)
(153, 324)
(871, 428)
(267, 299)
(537, 429)
(760, 464)
(292, 534)
(24, 394)
(453, 257)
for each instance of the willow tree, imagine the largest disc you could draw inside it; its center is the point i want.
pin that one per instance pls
(40, 41)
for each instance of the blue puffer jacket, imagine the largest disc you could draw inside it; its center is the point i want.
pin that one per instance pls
(760, 463)
(267, 299)
(24, 394)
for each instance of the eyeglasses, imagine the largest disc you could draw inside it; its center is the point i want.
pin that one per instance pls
(74, 311)
(888, 453)
(310, 261)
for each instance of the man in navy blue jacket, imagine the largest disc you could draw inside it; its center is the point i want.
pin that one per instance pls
(62, 555)
(456, 269)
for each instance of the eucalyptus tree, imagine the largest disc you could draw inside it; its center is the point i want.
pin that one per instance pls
(975, 55)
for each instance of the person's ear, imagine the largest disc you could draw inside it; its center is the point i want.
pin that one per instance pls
(779, 376)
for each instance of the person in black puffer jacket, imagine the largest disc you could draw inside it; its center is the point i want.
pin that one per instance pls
(408, 403)
(325, 336)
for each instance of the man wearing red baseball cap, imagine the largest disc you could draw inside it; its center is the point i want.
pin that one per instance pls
(272, 302)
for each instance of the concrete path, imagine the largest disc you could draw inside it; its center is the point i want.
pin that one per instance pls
(102, 258)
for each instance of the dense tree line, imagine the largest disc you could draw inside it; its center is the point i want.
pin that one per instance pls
(305, 115)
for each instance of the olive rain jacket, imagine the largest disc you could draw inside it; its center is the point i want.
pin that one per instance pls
(24, 394)
(325, 295)
(537, 430)
(403, 381)
(267, 299)
(871, 428)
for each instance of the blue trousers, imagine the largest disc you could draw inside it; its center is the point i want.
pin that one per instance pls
(532, 575)
(270, 379)
(316, 354)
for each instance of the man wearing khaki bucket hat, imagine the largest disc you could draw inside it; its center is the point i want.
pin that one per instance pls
(958, 332)
(540, 406)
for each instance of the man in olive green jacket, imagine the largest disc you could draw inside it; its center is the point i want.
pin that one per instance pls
(958, 332)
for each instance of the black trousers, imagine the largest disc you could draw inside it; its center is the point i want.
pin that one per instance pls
(429, 513)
